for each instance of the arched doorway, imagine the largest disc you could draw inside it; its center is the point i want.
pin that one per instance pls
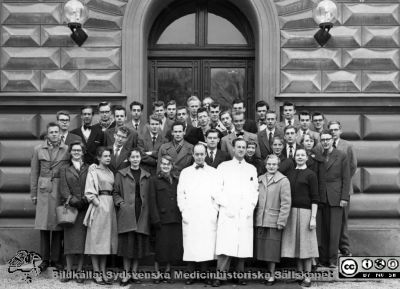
(203, 48)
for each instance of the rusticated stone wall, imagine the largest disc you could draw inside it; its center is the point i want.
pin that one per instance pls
(38, 55)
(361, 57)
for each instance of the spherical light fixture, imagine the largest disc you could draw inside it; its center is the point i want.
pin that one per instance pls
(325, 14)
(75, 14)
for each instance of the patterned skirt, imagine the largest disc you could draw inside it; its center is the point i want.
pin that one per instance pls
(298, 241)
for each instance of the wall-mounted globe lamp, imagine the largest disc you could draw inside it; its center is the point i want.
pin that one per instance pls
(324, 13)
(75, 14)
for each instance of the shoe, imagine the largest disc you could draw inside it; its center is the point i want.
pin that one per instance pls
(305, 283)
(99, 281)
(216, 283)
(124, 282)
(189, 281)
(270, 282)
(107, 281)
(346, 253)
(43, 266)
(135, 281)
(65, 280)
(80, 278)
(156, 280)
(242, 282)
(332, 266)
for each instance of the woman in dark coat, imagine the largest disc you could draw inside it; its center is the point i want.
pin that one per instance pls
(72, 187)
(165, 216)
(252, 159)
(131, 196)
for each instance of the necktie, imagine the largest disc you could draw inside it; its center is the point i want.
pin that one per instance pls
(63, 138)
(199, 166)
(117, 153)
(291, 151)
(326, 156)
(289, 122)
(212, 156)
(270, 138)
(334, 144)
(229, 131)
(304, 131)
(153, 139)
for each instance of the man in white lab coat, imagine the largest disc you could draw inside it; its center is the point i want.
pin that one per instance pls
(237, 201)
(198, 185)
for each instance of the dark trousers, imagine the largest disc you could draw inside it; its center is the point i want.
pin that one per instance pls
(224, 263)
(191, 266)
(50, 245)
(331, 224)
(344, 243)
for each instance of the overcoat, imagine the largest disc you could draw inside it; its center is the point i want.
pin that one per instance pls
(45, 179)
(124, 191)
(197, 189)
(237, 201)
(274, 201)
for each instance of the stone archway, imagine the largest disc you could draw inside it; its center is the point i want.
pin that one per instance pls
(140, 15)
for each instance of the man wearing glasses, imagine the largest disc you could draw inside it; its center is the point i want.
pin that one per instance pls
(119, 158)
(106, 120)
(335, 196)
(318, 120)
(64, 120)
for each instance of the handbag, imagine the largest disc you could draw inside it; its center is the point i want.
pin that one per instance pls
(66, 215)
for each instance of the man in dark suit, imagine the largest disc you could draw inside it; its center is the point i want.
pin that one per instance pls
(64, 120)
(180, 150)
(149, 144)
(120, 155)
(171, 110)
(226, 120)
(106, 120)
(305, 122)
(136, 122)
(120, 119)
(334, 199)
(166, 123)
(336, 128)
(266, 136)
(249, 125)
(261, 113)
(92, 138)
(214, 155)
(318, 121)
(215, 122)
(290, 135)
(197, 134)
(289, 116)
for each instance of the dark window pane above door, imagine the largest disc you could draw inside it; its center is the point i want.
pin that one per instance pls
(174, 83)
(227, 84)
(221, 31)
(181, 31)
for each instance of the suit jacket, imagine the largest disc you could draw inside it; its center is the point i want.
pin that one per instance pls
(142, 128)
(96, 139)
(263, 142)
(337, 179)
(188, 131)
(195, 135)
(220, 156)
(250, 126)
(121, 162)
(314, 134)
(282, 124)
(145, 144)
(130, 143)
(167, 127)
(71, 137)
(284, 152)
(226, 142)
(182, 159)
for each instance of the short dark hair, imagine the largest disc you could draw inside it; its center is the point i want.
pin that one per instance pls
(171, 102)
(182, 107)
(202, 109)
(155, 117)
(317, 113)
(123, 129)
(104, 103)
(100, 150)
(119, 107)
(261, 103)
(77, 142)
(289, 127)
(238, 100)
(226, 111)
(87, 107)
(215, 105)
(176, 123)
(62, 112)
(212, 130)
(158, 103)
(305, 112)
(135, 149)
(252, 142)
(136, 103)
(52, 124)
(289, 104)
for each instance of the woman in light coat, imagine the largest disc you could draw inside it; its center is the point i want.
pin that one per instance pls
(100, 219)
(271, 214)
